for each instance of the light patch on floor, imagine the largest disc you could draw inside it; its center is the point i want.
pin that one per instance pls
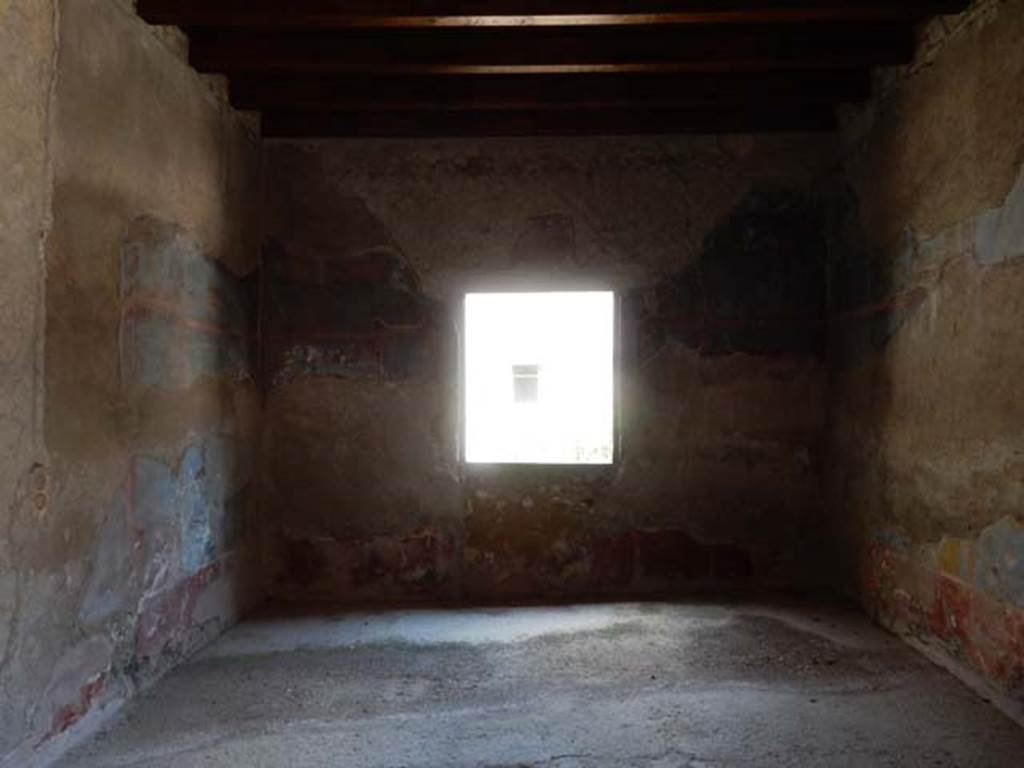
(416, 627)
(597, 686)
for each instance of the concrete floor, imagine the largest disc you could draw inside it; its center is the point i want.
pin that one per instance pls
(664, 685)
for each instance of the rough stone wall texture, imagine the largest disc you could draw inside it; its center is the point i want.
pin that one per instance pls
(127, 512)
(718, 252)
(926, 437)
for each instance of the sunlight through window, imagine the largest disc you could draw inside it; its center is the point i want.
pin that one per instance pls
(539, 377)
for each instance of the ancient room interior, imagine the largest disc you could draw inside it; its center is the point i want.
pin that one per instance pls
(511, 383)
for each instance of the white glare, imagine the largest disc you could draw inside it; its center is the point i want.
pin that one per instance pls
(569, 339)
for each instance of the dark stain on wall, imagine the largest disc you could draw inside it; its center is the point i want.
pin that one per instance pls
(358, 316)
(870, 297)
(758, 286)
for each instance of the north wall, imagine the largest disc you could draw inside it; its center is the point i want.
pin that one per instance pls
(716, 248)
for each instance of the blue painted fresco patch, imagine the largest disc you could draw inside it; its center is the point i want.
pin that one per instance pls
(197, 545)
(184, 316)
(161, 353)
(1000, 232)
(999, 567)
(156, 492)
(893, 540)
(192, 504)
(108, 590)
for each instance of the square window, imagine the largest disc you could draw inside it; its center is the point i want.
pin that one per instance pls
(539, 378)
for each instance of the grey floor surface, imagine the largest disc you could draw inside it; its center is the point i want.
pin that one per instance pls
(640, 685)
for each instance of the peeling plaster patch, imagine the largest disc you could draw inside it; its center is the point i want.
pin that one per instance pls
(165, 627)
(71, 713)
(78, 678)
(907, 594)
(357, 360)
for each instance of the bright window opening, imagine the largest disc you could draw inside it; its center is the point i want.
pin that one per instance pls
(539, 378)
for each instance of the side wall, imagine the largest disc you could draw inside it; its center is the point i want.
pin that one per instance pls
(717, 251)
(127, 541)
(927, 432)
(26, 58)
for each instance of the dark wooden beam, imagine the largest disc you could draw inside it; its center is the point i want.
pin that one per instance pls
(570, 122)
(535, 92)
(350, 14)
(531, 50)
(545, 67)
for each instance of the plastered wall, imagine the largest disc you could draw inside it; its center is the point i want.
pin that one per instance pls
(788, 324)
(130, 408)
(27, 37)
(926, 433)
(716, 248)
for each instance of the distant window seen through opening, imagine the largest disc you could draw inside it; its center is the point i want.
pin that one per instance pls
(526, 383)
(539, 377)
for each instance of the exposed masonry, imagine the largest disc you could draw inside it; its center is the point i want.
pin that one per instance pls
(932, 40)
(935, 36)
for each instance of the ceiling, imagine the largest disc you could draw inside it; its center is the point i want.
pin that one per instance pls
(545, 67)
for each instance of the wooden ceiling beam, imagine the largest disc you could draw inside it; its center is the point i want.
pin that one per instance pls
(545, 67)
(525, 51)
(353, 14)
(535, 92)
(569, 122)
